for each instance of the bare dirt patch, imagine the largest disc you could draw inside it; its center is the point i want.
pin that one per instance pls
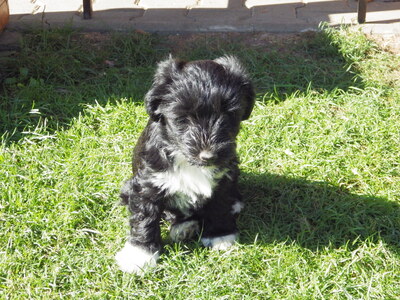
(388, 42)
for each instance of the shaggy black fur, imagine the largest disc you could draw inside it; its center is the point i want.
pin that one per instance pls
(195, 111)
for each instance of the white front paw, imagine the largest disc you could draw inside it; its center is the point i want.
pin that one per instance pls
(134, 259)
(221, 242)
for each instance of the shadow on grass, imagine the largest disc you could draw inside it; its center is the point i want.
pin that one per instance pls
(57, 72)
(313, 214)
(283, 64)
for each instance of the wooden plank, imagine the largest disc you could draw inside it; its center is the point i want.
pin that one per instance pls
(4, 14)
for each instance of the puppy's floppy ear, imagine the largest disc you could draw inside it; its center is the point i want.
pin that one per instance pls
(166, 71)
(248, 100)
(232, 65)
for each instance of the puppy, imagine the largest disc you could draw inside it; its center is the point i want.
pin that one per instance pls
(185, 167)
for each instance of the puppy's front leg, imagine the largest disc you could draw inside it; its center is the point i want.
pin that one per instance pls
(144, 243)
(219, 231)
(219, 221)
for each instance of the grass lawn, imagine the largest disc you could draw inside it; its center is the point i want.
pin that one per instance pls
(320, 163)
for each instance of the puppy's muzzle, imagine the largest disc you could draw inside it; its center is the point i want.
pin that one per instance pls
(206, 157)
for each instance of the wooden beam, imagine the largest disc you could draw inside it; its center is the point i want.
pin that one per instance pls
(87, 9)
(362, 11)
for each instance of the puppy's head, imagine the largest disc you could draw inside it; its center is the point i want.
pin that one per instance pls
(200, 105)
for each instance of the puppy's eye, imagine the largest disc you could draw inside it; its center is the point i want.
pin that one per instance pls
(181, 120)
(231, 115)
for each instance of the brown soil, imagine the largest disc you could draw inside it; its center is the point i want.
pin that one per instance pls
(388, 42)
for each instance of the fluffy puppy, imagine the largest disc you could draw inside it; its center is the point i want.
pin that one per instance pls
(185, 167)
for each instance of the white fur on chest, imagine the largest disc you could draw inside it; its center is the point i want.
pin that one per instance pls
(188, 180)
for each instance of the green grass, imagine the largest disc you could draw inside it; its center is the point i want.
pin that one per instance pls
(319, 158)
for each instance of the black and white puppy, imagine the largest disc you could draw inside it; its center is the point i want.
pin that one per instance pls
(185, 167)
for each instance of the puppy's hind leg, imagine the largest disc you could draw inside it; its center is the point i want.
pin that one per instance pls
(185, 230)
(182, 228)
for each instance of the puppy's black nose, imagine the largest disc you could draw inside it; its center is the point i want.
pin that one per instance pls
(206, 156)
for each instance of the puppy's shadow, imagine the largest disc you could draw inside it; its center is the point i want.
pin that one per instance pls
(313, 214)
